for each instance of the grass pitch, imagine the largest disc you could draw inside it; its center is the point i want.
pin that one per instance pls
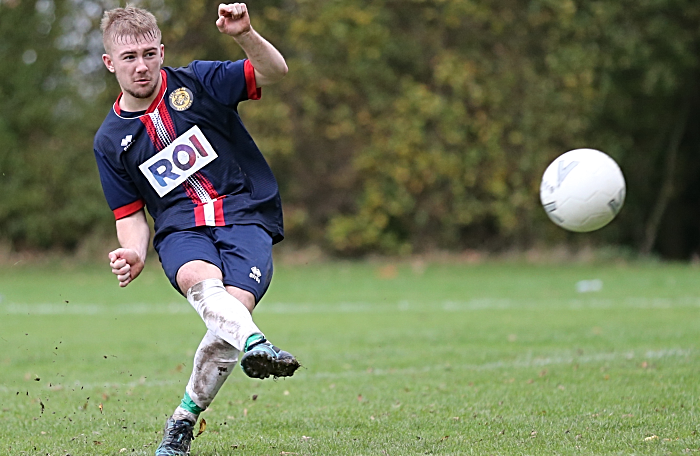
(445, 359)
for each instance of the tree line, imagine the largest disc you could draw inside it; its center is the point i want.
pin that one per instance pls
(403, 126)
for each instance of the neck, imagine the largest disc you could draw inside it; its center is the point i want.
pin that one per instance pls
(132, 104)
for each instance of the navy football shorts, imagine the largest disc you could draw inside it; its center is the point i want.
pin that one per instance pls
(243, 253)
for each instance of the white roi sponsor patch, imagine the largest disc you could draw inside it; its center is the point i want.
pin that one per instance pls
(170, 167)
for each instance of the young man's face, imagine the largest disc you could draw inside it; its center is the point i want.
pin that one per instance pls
(136, 63)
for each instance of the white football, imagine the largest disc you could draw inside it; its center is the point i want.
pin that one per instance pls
(582, 190)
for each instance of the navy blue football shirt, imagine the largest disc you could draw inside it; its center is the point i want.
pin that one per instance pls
(188, 158)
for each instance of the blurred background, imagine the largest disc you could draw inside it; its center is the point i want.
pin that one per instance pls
(403, 127)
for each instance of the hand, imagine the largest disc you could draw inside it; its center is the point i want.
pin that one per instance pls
(126, 264)
(233, 19)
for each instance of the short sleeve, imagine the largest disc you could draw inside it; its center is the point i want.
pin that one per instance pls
(122, 195)
(228, 82)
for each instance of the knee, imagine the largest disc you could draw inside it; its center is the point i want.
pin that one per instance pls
(194, 272)
(245, 297)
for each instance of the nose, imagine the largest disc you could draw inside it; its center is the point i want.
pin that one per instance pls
(141, 66)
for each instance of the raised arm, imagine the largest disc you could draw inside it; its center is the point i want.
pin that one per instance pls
(269, 64)
(128, 261)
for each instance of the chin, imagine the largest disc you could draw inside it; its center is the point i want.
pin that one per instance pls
(143, 93)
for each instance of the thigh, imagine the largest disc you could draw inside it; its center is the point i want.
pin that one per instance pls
(246, 257)
(182, 247)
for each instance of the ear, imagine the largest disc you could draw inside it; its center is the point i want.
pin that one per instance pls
(162, 53)
(108, 62)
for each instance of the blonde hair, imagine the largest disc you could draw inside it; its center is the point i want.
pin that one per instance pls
(120, 24)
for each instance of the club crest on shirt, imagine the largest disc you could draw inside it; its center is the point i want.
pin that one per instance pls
(181, 99)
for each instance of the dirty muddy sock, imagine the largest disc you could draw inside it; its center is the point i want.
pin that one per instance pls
(187, 410)
(213, 363)
(223, 314)
(189, 405)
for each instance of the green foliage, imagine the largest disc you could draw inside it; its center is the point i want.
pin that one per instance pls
(402, 126)
(459, 106)
(50, 195)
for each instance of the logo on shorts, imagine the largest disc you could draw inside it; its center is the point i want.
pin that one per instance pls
(181, 99)
(255, 274)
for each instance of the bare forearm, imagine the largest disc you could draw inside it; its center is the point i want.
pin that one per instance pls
(128, 261)
(134, 233)
(268, 62)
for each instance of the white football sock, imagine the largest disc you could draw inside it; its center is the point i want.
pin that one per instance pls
(225, 316)
(213, 363)
(182, 414)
